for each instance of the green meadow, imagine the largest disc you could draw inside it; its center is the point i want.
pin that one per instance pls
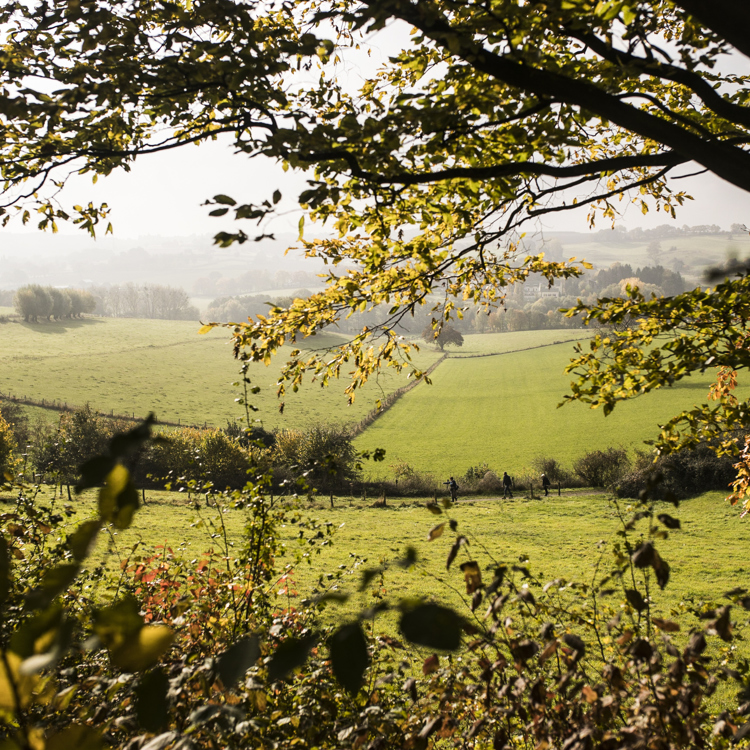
(137, 366)
(503, 410)
(556, 538)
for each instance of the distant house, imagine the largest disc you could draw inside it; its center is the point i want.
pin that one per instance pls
(540, 290)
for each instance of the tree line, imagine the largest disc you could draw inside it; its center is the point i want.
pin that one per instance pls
(156, 301)
(34, 303)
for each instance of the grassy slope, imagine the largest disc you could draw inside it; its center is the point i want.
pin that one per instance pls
(136, 366)
(503, 411)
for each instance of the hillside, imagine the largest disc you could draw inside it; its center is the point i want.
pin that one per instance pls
(132, 366)
(502, 410)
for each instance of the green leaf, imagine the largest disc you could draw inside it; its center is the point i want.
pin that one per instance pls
(127, 443)
(144, 649)
(54, 582)
(349, 655)
(118, 499)
(237, 659)
(276, 196)
(81, 539)
(433, 626)
(151, 704)
(289, 655)
(26, 636)
(218, 212)
(225, 200)
(94, 472)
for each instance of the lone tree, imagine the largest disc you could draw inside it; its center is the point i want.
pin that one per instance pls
(492, 115)
(442, 336)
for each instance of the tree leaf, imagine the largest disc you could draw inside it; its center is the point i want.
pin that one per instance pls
(289, 655)
(349, 655)
(75, 737)
(143, 650)
(433, 626)
(635, 599)
(472, 576)
(151, 704)
(435, 532)
(118, 499)
(81, 539)
(237, 659)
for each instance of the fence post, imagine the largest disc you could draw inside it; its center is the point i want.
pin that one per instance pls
(558, 488)
(332, 498)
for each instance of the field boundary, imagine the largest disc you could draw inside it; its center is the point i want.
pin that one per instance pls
(511, 351)
(66, 407)
(388, 401)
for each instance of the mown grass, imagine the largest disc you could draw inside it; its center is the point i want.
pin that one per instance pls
(137, 366)
(503, 411)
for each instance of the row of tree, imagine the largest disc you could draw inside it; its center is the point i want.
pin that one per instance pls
(144, 301)
(323, 454)
(35, 302)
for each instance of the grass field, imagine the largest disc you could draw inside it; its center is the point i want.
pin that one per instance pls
(137, 366)
(560, 537)
(696, 253)
(503, 411)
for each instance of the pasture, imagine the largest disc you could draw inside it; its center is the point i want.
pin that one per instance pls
(137, 366)
(556, 538)
(503, 410)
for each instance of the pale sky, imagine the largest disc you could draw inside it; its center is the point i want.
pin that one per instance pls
(163, 193)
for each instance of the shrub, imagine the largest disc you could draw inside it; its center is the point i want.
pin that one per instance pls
(410, 482)
(490, 482)
(323, 455)
(602, 468)
(14, 415)
(553, 469)
(8, 448)
(682, 474)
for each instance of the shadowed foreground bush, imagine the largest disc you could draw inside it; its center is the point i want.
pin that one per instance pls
(685, 473)
(208, 653)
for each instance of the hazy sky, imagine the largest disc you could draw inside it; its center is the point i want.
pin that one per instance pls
(163, 193)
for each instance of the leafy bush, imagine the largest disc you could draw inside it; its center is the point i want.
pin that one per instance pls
(554, 470)
(323, 455)
(14, 415)
(409, 482)
(685, 473)
(602, 468)
(8, 448)
(490, 482)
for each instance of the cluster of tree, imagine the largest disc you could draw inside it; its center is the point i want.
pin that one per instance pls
(323, 454)
(442, 336)
(248, 306)
(144, 301)
(35, 302)
(253, 280)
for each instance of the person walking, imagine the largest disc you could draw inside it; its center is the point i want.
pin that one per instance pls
(507, 485)
(546, 484)
(453, 487)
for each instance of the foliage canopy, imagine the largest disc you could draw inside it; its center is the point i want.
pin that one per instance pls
(492, 115)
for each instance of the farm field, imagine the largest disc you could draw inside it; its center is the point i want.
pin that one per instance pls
(697, 253)
(503, 411)
(558, 538)
(136, 366)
